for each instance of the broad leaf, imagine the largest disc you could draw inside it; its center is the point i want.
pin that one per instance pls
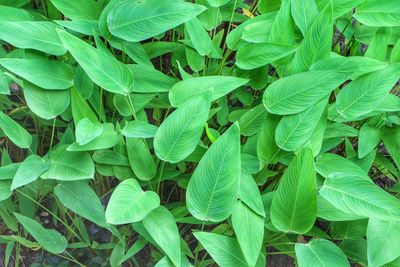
(50, 240)
(107, 138)
(136, 21)
(29, 170)
(17, 134)
(368, 139)
(103, 69)
(139, 129)
(74, 10)
(379, 13)
(178, 135)
(140, 159)
(304, 12)
(79, 197)
(87, 130)
(320, 253)
(294, 206)
(213, 188)
(129, 203)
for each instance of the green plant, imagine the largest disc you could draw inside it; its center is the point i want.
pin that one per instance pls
(207, 132)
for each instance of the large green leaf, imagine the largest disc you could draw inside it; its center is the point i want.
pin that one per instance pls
(17, 134)
(75, 10)
(47, 74)
(294, 206)
(364, 94)
(320, 253)
(379, 13)
(381, 239)
(298, 92)
(149, 80)
(368, 139)
(29, 170)
(79, 197)
(251, 122)
(213, 188)
(199, 36)
(8, 13)
(69, 165)
(317, 42)
(107, 138)
(256, 55)
(137, 20)
(179, 134)
(39, 35)
(249, 229)
(47, 104)
(161, 226)
(129, 203)
(293, 131)
(103, 69)
(223, 249)
(185, 90)
(250, 194)
(50, 240)
(355, 195)
(140, 159)
(304, 12)
(267, 150)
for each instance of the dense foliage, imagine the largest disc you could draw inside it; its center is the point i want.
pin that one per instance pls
(207, 132)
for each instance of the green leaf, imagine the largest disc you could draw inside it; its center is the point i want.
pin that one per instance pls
(213, 188)
(85, 10)
(293, 131)
(251, 122)
(161, 226)
(136, 21)
(39, 35)
(86, 131)
(149, 80)
(17, 134)
(223, 249)
(107, 138)
(282, 30)
(140, 159)
(391, 140)
(47, 104)
(320, 253)
(180, 132)
(298, 92)
(368, 139)
(378, 13)
(139, 129)
(217, 3)
(187, 89)
(69, 166)
(199, 36)
(29, 170)
(250, 194)
(355, 195)
(50, 240)
(79, 197)
(381, 237)
(364, 94)
(317, 42)
(129, 203)
(103, 69)
(8, 13)
(304, 12)
(256, 55)
(249, 229)
(294, 206)
(267, 150)
(48, 74)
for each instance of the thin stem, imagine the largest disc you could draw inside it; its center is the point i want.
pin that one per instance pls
(52, 133)
(132, 107)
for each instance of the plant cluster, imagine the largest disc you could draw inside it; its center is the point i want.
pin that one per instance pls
(205, 133)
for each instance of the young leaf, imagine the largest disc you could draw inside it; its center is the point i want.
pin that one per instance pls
(139, 129)
(178, 135)
(52, 75)
(103, 69)
(136, 21)
(294, 206)
(320, 252)
(107, 138)
(129, 203)
(50, 240)
(17, 134)
(213, 188)
(86, 131)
